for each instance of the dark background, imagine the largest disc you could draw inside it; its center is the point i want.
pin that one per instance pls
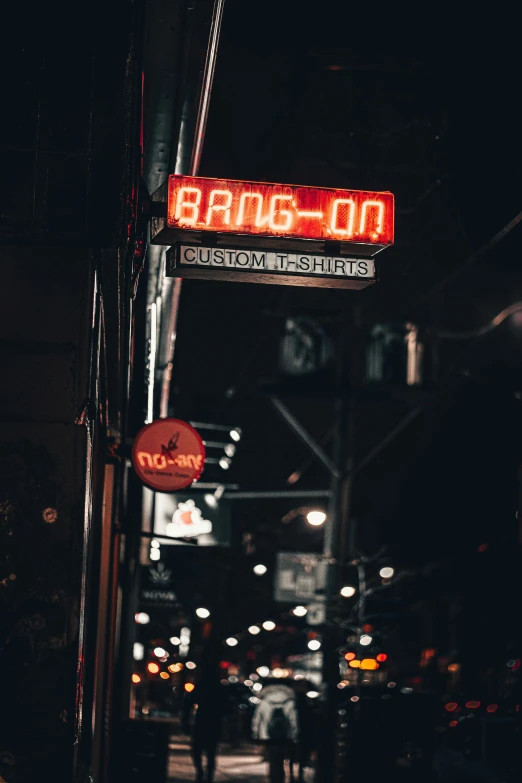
(424, 105)
(422, 101)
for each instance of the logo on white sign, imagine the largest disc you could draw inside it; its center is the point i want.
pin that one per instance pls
(188, 522)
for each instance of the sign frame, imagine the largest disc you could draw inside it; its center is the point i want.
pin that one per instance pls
(163, 233)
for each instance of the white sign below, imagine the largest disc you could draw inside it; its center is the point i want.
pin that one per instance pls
(268, 266)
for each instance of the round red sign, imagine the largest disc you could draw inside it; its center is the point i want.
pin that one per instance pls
(168, 455)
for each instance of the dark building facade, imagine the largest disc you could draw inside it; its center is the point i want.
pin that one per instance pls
(69, 252)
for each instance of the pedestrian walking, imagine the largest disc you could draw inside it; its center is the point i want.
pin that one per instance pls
(210, 705)
(307, 728)
(275, 725)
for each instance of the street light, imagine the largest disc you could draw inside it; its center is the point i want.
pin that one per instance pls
(254, 630)
(314, 644)
(316, 518)
(211, 500)
(202, 612)
(260, 569)
(365, 639)
(235, 434)
(269, 625)
(231, 641)
(300, 611)
(347, 591)
(387, 572)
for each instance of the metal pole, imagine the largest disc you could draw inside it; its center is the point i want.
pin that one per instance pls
(305, 436)
(361, 578)
(197, 149)
(206, 89)
(276, 494)
(338, 516)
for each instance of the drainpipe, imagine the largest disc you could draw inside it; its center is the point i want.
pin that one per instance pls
(185, 165)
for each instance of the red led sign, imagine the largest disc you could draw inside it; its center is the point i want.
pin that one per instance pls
(168, 455)
(273, 210)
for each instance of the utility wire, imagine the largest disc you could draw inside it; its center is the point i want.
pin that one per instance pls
(482, 330)
(471, 259)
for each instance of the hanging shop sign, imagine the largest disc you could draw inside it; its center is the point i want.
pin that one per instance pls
(168, 455)
(300, 577)
(265, 266)
(309, 236)
(157, 585)
(188, 518)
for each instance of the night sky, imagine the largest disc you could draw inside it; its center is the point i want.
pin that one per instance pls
(423, 105)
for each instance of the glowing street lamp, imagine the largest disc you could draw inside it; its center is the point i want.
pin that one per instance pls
(347, 591)
(316, 518)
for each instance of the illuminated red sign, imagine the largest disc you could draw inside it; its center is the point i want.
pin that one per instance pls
(273, 210)
(168, 455)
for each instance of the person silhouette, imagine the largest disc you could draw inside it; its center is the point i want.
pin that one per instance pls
(209, 702)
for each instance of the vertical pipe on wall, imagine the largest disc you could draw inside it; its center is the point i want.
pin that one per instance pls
(196, 143)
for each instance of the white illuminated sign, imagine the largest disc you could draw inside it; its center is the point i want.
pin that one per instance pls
(188, 522)
(274, 263)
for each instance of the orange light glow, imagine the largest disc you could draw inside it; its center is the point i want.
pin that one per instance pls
(223, 206)
(349, 208)
(192, 205)
(153, 668)
(370, 664)
(267, 209)
(240, 220)
(472, 705)
(382, 657)
(454, 667)
(164, 676)
(350, 656)
(364, 221)
(189, 687)
(355, 664)
(136, 678)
